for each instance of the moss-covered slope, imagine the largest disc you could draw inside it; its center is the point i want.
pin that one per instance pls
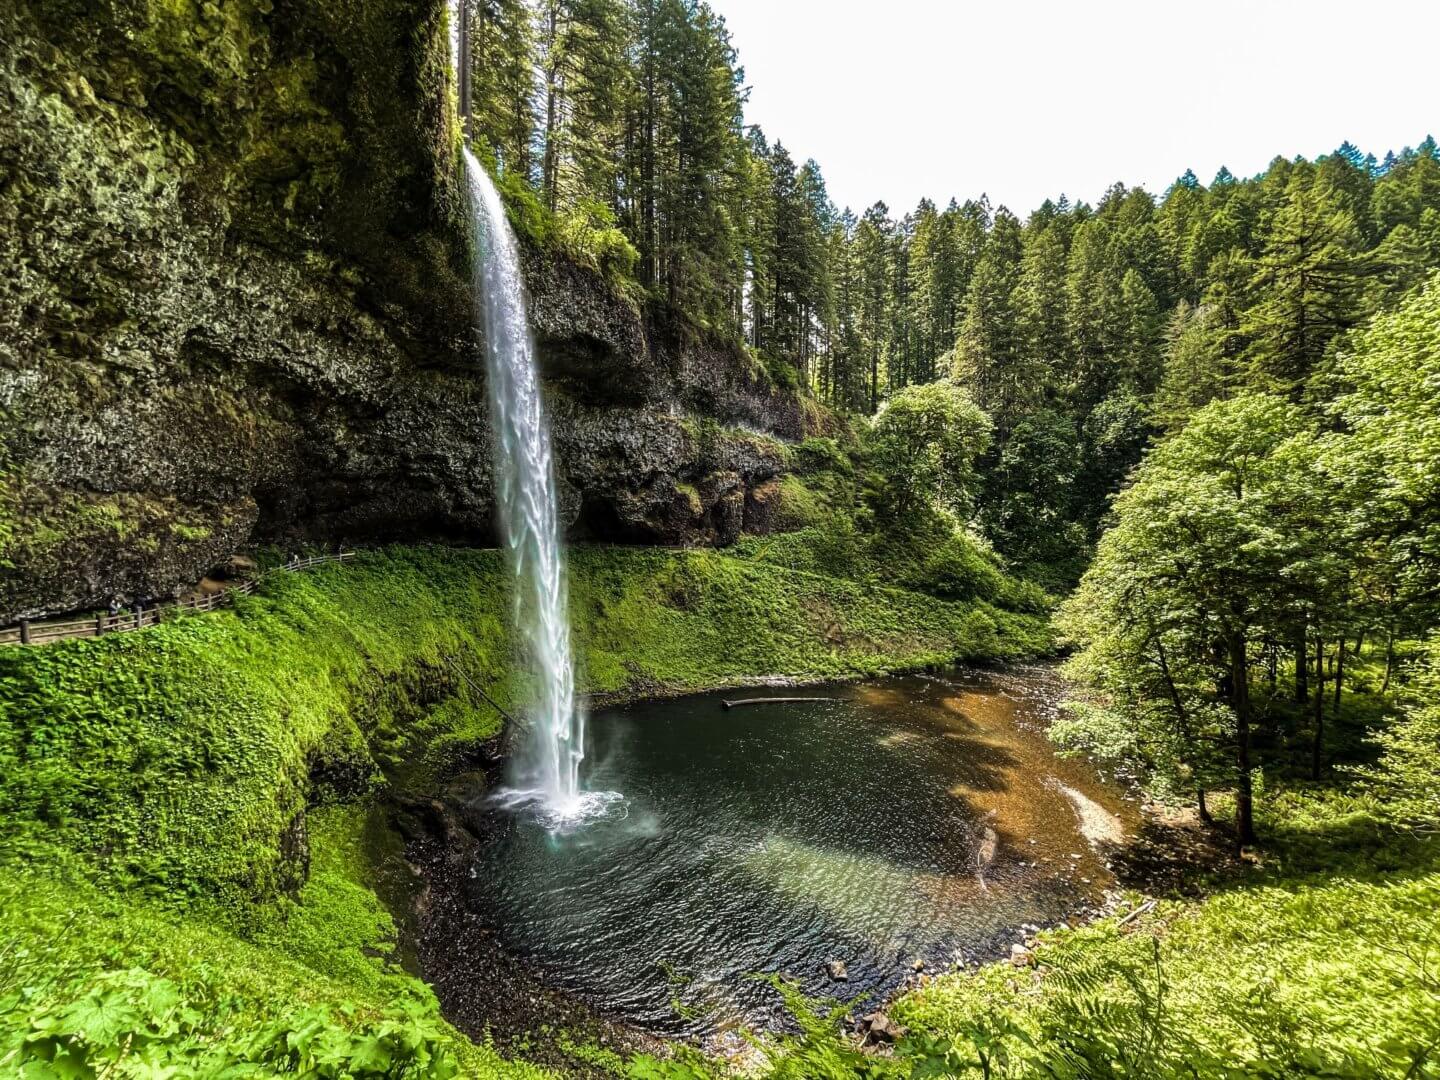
(198, 795)
(186, 755)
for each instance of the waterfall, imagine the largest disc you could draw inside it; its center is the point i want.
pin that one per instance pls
(548, 769)
(526, 506)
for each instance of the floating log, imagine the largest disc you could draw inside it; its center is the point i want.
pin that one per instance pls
(771, 701)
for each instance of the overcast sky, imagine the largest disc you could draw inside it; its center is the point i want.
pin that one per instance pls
(1024, 99)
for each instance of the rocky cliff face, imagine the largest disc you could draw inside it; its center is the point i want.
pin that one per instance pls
(235, 312)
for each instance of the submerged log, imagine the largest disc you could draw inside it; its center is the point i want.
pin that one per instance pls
(770, 701)
(985, 854)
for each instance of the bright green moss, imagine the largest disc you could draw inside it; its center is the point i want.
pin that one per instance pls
(716, 442)
(178, 756)
(691, 494)
(694, 620)
(800, 506)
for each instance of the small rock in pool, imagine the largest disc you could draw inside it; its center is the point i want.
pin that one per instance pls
(880, 1028)
(919, 964)
(837, 970)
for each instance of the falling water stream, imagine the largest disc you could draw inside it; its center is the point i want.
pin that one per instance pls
(548, 771)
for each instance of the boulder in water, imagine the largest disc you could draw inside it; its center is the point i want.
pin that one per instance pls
(837, 970)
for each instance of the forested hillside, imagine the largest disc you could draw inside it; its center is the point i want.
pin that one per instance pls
(1268, 537)
(1084, 331)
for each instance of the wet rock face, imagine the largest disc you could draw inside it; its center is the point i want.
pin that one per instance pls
(294, 870)
(236, 311)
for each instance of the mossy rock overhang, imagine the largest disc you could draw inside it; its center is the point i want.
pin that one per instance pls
(319, 130)
(239, 311)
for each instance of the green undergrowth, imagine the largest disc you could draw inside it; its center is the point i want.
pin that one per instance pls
(195, 854)
(174, 759)
(1322, 961)
(680, 621)
(949, 565)
(102, 982)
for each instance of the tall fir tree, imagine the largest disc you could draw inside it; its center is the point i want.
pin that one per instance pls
(1308, 280)
(502, 81)
(988, 355)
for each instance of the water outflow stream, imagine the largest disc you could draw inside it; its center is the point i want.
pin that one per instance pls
(548, 772)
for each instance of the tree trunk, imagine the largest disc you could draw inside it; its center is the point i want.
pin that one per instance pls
(1182, 720)
(1240, 699)
(463, 62)
(550, 167)
(1339, 673)
(874, 380)
(1317, 746)
(648, 254)
(1302, 669)
(550, 164)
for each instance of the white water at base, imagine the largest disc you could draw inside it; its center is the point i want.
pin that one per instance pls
(548, 771)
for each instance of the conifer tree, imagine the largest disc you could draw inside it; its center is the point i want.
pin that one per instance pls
(873, 239)
(849, 383)
(501, 81)
(988, 354)
(585, 80)
(1194, 372)
(1308, 281)
(1040, 305)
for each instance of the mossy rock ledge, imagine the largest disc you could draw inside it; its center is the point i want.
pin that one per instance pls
(237, 311)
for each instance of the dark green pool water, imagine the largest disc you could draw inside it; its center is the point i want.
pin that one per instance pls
(775, 838)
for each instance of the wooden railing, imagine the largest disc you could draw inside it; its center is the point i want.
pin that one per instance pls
(27, 632)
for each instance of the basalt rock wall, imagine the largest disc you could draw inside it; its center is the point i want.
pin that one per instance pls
(236, 312)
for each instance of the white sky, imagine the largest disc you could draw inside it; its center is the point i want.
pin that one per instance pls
(1024, 99)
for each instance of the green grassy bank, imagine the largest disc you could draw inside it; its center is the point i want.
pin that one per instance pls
(1319, 961)
(158, 919)
(164, 791)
